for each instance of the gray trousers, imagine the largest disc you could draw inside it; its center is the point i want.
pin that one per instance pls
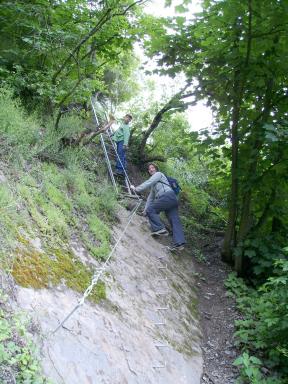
(167, 203)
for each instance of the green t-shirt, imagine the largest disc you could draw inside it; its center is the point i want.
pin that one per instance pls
(122, 134)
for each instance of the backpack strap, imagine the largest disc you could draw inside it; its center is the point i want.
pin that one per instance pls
(162, 182)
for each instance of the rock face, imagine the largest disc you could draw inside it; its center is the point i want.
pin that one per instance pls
(148, 321)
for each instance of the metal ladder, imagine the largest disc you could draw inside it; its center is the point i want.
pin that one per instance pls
(107, 158)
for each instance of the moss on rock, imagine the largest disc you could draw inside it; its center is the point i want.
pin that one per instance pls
(35, 269)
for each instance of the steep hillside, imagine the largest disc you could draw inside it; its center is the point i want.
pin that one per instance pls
(59, 219)
(115, 340)
(146, 297)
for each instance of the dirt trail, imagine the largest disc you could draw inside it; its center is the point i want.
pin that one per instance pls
(218, 314)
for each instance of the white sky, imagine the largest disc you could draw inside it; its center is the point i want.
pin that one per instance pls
(157, 7)
(199, 116)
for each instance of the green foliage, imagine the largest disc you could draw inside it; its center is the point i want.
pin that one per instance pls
(102, 235)
(11, 219)
(198, 200)
(261, 254)
(17, 353)
(234, 52)
(121, 80)
(199, 256)
(48, 217)
(64, 200)
(264, 327)
(250, 371)
(174, 139)
(16, 128)
(89, 40)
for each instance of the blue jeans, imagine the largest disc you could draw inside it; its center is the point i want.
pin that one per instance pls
(167, 203)
(122, 155)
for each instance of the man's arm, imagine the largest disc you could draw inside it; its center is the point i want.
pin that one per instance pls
(149, 183)
(108, 124)
(89, 135)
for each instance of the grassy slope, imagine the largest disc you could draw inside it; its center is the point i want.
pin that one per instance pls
(53, 204)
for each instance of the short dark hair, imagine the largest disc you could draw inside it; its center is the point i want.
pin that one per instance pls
(154, 165)
(130, 116)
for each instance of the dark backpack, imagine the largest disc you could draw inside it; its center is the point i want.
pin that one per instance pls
(173, 183)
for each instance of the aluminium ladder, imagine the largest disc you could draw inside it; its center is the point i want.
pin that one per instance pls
(107, 157)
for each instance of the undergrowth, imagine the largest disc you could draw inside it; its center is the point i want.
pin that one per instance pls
(18, 361)
(263, 330)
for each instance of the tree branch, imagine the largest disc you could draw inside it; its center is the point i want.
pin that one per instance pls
(153, 158)
(103, 20)
(100, 23)
(173, 104)
(271, 32)
(92, 50)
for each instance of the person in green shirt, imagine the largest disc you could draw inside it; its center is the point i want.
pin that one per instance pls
(121, 138)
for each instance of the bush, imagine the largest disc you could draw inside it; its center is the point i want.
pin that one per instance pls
(264, 328)
(16, 128)
(18, 361)
(250, 370)
(260, 255)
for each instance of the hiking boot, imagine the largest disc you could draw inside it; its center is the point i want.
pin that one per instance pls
(176, 247)
(160, 232)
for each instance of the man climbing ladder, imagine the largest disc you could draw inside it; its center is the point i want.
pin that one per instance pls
(121, 138)
(162, 198)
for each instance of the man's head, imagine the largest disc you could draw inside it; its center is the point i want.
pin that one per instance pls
(127, 118)
(152, 168)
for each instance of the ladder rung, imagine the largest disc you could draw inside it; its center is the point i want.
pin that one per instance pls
(161, 257)
(161, 346)
(165, 267)
(131, 196)
(162, 293)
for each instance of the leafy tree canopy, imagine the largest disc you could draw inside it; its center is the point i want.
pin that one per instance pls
(55, 52)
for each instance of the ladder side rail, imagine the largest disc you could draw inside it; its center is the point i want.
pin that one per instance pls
(105, 152)
(127, 181)
(110, 170)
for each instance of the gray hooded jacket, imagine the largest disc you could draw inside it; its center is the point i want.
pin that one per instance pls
(158, 184)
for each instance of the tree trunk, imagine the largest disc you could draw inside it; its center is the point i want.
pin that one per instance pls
(245, 219)
(238, 92)
(156, 121)
(267, 210)
(229, 238)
